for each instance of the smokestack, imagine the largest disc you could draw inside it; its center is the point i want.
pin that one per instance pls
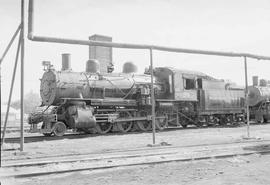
(66, 62)
(255, 80)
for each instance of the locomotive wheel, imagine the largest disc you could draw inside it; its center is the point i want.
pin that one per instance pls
(127, 125)
(183, 123)
(143, 125)
(59, 129)
(104, 127)
(199, 122)
(161, 123)
(47, 134)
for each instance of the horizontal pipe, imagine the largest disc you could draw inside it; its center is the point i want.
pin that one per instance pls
(126, 45)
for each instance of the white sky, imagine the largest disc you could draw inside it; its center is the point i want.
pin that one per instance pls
(223, 25)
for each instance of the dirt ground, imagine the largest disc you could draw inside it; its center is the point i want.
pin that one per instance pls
(248, 170)
(108, 143)
(253, 169)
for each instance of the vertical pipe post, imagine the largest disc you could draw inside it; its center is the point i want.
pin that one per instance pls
(22, 74)
(11, 89)
(153, 98)
(246, 96)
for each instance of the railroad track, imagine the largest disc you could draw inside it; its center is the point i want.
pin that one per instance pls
(141, 156)
(78, 135)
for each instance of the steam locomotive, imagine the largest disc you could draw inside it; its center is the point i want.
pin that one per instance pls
(92, 102)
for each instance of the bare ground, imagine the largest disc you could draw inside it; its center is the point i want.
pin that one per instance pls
(248, 170)
(253, 169)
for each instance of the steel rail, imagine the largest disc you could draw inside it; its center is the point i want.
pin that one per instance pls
(124, 151)
(161, 161)
(29, 139)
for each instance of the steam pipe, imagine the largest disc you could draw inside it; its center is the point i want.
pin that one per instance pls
(32, 37)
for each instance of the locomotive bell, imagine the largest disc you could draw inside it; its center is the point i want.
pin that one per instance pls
(92, 66)
(129, 67)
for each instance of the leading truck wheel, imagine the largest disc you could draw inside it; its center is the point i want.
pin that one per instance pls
(103, 128)
(59, 129)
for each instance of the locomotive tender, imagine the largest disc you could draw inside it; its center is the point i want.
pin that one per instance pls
(91, 101)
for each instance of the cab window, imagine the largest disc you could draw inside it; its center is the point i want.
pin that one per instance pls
(189, 83)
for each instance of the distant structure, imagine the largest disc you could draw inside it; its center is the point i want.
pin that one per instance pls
(14, 115)
(102, 54)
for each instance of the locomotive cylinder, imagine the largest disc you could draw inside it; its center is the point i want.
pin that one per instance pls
(66, 62)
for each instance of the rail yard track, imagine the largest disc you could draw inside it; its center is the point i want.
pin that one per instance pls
(120, 158)
(78, 135)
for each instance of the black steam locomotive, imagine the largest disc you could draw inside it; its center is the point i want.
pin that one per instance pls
(102, 102)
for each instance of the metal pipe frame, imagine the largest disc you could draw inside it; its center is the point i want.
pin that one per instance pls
(10, 43)
(22, 75)
(11, 89)
(153, 98)
(246, 96)
(32, 37)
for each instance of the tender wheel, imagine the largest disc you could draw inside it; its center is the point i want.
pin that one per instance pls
(143, 125)
(103, 128)
(127, 125)
(59, 129)
(161, 120)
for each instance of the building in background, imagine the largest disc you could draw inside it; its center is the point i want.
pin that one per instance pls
(14, 115)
